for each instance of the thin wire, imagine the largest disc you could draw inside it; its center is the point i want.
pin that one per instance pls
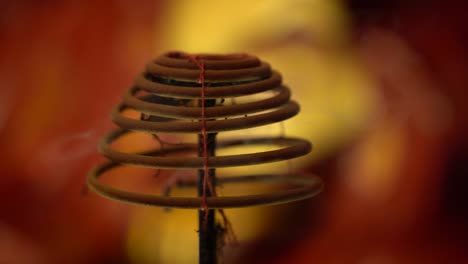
(230, 235)
(206, 176)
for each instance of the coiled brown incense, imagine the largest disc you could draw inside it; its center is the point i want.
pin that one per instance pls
(170, 83)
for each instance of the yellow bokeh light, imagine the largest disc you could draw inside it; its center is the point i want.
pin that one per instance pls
(304, 40)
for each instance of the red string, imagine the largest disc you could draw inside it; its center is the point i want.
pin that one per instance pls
(230, 236)
(206, 179)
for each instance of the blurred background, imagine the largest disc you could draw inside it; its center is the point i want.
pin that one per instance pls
(382, 91)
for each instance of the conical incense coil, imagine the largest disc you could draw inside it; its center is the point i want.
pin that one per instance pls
(171, 84)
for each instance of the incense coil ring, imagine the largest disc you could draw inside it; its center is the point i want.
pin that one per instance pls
(297, 147)
(305, 187)
(172, 78)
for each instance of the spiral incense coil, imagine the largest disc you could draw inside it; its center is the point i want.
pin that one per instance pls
(171, 85)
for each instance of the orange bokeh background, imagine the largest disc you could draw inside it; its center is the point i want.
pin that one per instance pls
(396, 187)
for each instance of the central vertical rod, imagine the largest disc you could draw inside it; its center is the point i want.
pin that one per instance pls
(207, 230)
